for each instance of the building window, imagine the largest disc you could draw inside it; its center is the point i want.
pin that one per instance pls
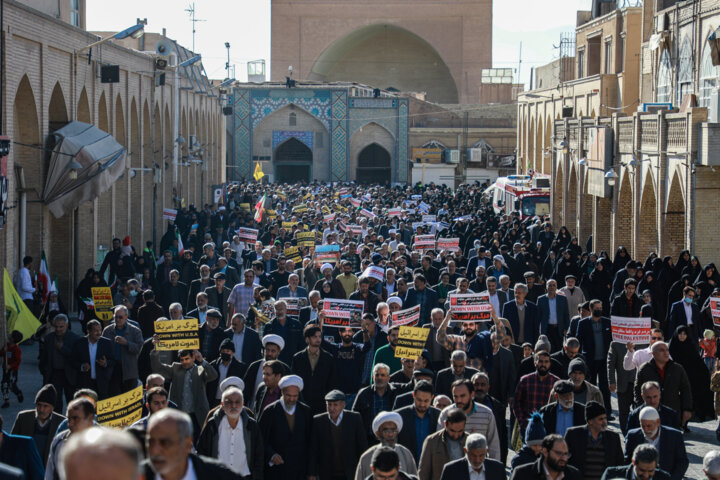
(293, 120)
(608, 58)
(664, 82)
(685, 71)
(75, 12)
(708, 78)
(581, 64)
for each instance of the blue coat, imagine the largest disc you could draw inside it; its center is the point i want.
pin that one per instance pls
(81, 355)
(532, 320)
(561, 311)
(587, 338)
(672, 455)
(431, 301)
(20, 452)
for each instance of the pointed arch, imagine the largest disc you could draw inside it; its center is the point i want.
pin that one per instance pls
(103, 121)
(538, 157)
(570, 219)
(104, 201)
(378, 165)
(675, 219)
(558, 193)
(547, 151)
(135, 189)
(708, 77)
(686, 69)
(624, 215)
(647, 240)
(664, 78)
(83, 108)
(57, 109)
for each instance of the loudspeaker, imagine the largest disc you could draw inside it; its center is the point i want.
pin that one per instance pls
(567, 112)
(110, 74)
(376, 92)
(161, 63)
(227, 110)
(163, 47)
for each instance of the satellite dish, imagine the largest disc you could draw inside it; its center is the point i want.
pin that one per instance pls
(163, 47)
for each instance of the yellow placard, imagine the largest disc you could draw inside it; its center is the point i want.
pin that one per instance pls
(122, 410)
(300, 208)
(306, 239)
(177, 334)
(244, 206)
(288, 225)
(411, 342)
(103, 301)
(293, 253)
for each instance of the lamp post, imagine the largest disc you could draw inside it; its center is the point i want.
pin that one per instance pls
(136, 31)
(177, 139)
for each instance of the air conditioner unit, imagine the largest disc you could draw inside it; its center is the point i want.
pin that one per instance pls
(655, 107)
(714, 106)
(541, 182)
(475, 154)
(452, 156)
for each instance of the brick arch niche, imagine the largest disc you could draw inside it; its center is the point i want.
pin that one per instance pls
(675, 220)
(623, 216)
(647, 238)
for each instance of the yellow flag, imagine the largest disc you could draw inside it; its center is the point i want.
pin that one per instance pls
(258, 172)
(18, 316)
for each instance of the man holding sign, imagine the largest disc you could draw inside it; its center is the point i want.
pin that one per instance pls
(477, 346)
(188, 382)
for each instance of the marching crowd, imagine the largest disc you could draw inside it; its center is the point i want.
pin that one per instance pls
(275, 393)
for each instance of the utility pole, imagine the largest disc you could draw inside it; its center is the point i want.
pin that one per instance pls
(227, 65)
(191, 12)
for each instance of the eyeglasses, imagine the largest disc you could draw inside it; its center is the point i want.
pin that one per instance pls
(657, 338)
(561, 454)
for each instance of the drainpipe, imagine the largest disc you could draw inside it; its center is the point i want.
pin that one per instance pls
(23, 208)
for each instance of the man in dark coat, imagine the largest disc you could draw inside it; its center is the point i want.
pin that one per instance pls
(458, 369)
(41, 423)
(173, 291)
(420, 413)
(671, 446)
(211, 335)
(218, 296)
(317, 369)
(288, 328)
(169, 443)
(686, 313)
(375, 398)
(512, 311)
(96, 370)
(248, 347)
(644, 466)
(476, 448)
(592, 446)
(286, 427)
(627, 303)
(227, 366)
(553, 458)
(421, 294)
(55, 358)
(199, 285)
(20, 452)
(338, 440)
(564, 402)
(596, 354)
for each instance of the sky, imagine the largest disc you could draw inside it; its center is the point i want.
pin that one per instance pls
(246, 25)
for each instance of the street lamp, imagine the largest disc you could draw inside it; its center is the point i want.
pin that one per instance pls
(582, 162)
(136, 31)
(611, 176)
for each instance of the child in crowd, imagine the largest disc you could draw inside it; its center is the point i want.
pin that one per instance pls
(11, 364)
(708, 345)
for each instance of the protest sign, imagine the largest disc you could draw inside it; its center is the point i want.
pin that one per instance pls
(271, 213)
(327, 248)
(103, 301)
(300, 208)
(355, 229)
(306, 239)
(408, 317)
(470, 307)
(424, 242)
(288, 225)
(429, 218)
(169, 214)
(448, 244)
(394, 212)
(329, 218)
(355, 202)
(715, 310)
(294, 304)
(367, 213)
(177, 334)
(411, 342)
(244, 206)
(375, 272)
(122, 410)
(328, 257)
(628, 329)
(342, 313)
(247, 235)
(293, 253)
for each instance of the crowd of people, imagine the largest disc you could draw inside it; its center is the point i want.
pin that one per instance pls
(275, 391)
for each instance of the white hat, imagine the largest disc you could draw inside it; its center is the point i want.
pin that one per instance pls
(291, 381)
(649, 413)
(384, 417)
(272, 338)
(232, 382)
(397, 300)
(324, 266)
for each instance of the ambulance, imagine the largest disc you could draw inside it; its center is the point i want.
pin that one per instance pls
(527, 194)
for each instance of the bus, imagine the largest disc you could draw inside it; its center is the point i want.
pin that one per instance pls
(529, 195)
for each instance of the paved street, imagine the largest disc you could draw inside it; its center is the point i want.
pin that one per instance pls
(698, 442)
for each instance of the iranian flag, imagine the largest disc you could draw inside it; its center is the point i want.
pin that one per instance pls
(259, 208)
(43, 277)
(181, 248)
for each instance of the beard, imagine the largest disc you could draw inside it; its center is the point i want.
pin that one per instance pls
(557, 465)
(542, 370)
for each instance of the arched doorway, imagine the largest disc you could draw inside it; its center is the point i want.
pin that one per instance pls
(293, 162)
(373, 165)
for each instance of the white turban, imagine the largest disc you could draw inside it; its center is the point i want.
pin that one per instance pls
(324, 266)
(291, 381)
(273, 338)
(397, 300)
(384, 417)
(232, 382)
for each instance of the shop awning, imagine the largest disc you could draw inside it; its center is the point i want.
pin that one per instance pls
(84, 163)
